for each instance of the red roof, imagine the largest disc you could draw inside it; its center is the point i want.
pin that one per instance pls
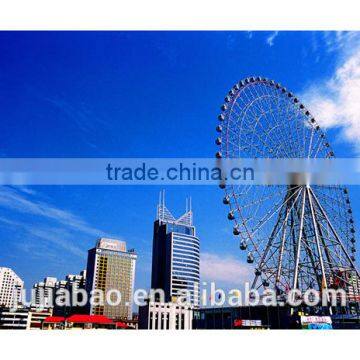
(54, 319)
(93, 319)
(121, 325)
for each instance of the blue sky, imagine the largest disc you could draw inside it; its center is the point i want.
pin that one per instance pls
(145, 94)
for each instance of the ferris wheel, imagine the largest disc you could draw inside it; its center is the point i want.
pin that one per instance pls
(296, 236)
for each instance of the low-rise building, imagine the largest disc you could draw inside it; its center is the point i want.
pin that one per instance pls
(165, 316)
(14, 320)
(53, 323)
(81, 322)
(22, 318)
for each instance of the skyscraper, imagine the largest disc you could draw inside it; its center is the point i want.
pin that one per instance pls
(176, 254)
(111, 267)
(10, 288)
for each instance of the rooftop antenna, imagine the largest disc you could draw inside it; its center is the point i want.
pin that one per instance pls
(164, 215)
(160, 210)
(190, 211)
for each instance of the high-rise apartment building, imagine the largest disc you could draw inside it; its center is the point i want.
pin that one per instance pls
(176, 255)
(111, 269)
(10, 288)
(76, 281)
(44, 293)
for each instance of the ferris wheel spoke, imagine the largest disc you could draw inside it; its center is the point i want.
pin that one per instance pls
(334, 232)
(270, 214)
(269, 110)
(254, 133)
(280, 136)
(283, 238)
(257, 122)
(256, 108)
(264, 199)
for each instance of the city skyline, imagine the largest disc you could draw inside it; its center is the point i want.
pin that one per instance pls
(242, 116)
(42, 222)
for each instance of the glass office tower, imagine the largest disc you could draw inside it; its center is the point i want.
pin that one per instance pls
(176, 255)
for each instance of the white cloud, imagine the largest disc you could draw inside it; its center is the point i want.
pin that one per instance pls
(27, 190)
(48, 223)
(59, 237)
(21, 202)
(224, 269)
(335, 101)
(340, 40)
(270, 39)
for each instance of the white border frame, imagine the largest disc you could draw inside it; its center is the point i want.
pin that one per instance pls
(179, 15)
